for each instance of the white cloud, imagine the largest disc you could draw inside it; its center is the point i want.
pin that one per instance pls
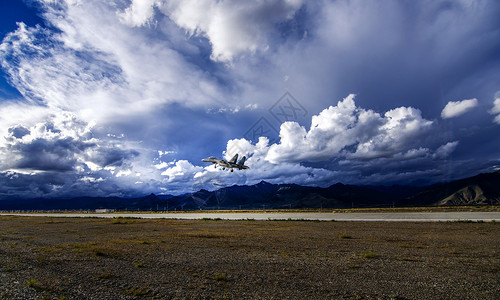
(181, 170)
(100, 68)
(162, 165)
(496, 106)
(123, 173)
(446, 149)
(457, 108)
(60, 142)
(345, 130)
(232, 27)
(496, 110)
(139, 12)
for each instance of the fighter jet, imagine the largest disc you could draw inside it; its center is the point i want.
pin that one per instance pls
(232, 164)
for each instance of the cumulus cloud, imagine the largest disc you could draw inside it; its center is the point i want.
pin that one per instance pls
(496, 110)
(61, 142)
(58, 152)
(181, 170)
(457, 108)
(345, 130)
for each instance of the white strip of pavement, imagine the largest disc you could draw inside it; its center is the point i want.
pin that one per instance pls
(380, 217)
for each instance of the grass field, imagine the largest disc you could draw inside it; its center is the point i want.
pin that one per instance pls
(65, 258)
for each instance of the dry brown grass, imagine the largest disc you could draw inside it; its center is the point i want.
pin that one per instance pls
(100, 258)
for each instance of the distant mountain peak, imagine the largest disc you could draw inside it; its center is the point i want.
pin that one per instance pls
(482, 189)
(151, 197)
(263, 182)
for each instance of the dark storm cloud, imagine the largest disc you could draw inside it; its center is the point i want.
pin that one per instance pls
(398, 53)
(62, 184)
(49, 155)
(21, 185)
(60, 156)
(111, 156)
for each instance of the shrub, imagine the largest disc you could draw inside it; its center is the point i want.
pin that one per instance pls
(220, 277)
(344, 236)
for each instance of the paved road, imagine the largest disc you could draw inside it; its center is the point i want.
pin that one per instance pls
(390, 217)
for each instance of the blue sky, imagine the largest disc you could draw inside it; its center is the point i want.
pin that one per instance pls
(124, 98)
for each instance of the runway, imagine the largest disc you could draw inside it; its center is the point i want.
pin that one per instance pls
(312, 216)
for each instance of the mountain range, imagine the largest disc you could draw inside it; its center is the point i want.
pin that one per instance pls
(482, 189)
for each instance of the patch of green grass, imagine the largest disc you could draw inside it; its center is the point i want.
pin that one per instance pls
(105, 275)
(94, 248)
(353, 266)
(83, 245)
(396, 297)
(205, 235)
(136, 291)
(41, 259)
(119, 222)
(369, 255)
(409, 259)
(33, 283)
(344, 236)
(105, 252)
(220, 277)
(410, 245)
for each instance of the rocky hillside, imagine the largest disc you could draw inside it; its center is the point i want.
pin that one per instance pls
(482, 189)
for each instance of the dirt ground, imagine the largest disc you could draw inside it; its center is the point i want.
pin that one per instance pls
(63, 258)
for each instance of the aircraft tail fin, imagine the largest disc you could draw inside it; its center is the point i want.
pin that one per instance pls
(242, 161)
(234, 159)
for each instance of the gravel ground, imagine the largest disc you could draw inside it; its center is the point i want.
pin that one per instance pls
(57, 258)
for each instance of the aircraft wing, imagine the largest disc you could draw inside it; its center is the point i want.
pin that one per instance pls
(224, 163)
(217, 161)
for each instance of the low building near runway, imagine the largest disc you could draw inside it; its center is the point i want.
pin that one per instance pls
(104, 210)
